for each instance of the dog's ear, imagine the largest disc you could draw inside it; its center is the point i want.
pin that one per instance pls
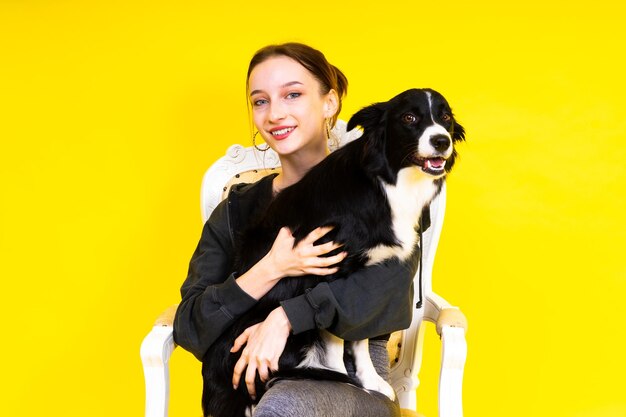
(373, 120)
(368, 117)
(457, 132)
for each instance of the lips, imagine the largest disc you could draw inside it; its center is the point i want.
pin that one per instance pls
(432, 166)
(282, 132)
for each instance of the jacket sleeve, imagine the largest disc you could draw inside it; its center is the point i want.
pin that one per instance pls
(211, 298)
(371, 302)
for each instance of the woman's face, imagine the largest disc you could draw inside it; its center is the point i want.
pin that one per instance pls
(288, 107)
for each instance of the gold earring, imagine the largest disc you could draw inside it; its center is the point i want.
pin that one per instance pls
(255, 146)
(327, 122)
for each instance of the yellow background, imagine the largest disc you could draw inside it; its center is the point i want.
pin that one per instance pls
(110, 112)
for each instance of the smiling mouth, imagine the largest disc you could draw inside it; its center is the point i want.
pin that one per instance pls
(432, 166)
(280, 133)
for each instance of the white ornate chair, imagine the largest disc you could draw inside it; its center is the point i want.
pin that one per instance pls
(241, 164)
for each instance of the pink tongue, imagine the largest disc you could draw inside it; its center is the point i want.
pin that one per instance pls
(436, 162)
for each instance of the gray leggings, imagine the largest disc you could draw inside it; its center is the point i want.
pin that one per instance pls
(306, 398)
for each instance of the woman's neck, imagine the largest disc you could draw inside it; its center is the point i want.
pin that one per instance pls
(295, 166)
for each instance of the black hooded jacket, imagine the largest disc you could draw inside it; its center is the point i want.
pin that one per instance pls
(370, 303)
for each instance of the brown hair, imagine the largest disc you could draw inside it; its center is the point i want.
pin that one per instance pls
(329, 76)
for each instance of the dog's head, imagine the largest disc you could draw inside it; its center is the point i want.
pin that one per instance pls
(414, 129)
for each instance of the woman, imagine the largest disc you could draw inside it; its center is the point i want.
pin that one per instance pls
(295, 96)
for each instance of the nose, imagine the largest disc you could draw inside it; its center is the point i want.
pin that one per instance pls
(276, 111)
(441, 143)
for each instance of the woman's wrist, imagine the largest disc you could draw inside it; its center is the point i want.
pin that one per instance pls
(259, 279)
(268, 269)
(279, 316)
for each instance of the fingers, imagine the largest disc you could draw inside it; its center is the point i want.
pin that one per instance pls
(265, 343)
(291, 259)
(321, 271)
(240, 341)
(325, 248)
(284, 232)
(264, 371)
(332, 260)
(253, 368)
(326, 262)
(310, 249)
(317, 233)
(250, 376)
(274, 364)
(240, 366)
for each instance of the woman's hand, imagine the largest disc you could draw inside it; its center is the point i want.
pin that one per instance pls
(265, 343)
(285, 260)
(305, 258)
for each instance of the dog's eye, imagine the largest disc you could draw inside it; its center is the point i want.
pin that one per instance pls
(409, 118)
(446, 117)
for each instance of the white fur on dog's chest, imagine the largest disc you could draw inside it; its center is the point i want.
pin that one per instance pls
(413, 190)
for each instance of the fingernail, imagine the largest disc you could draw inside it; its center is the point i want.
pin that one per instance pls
(234, 386)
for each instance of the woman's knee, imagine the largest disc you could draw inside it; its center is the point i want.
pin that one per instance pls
(285, 399)
(305, 398)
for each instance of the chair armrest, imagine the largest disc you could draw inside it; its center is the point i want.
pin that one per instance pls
(156, 350)
(451, 326)
(440, 312)
(166, 318)
(451, 317)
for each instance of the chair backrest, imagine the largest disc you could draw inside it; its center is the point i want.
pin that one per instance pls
(243, 164)
(247, 164)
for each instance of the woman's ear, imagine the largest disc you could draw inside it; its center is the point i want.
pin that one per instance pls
(331, 104)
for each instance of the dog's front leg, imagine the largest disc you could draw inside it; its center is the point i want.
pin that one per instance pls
(366, 372)
(334, 352)
(328, 354)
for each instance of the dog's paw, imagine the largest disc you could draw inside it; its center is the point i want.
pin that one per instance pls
(374, 382)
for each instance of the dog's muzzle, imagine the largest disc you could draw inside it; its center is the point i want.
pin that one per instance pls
(434, 166)
(441, 143)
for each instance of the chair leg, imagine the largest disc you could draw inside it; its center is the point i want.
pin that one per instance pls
(454, 353)
(157, 391)
(156, 350)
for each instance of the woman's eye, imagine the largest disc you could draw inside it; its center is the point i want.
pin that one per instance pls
(259, 102)
(409, 118)
(294, 95)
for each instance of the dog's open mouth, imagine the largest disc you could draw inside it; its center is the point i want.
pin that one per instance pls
(432, 166)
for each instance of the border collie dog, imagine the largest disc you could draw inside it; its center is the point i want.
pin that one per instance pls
(373, 191)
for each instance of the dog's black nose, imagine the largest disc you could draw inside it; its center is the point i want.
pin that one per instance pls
(440, 142)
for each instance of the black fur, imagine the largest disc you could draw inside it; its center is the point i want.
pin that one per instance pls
(345, 190)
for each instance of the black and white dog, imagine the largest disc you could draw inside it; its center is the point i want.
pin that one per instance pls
(373, 191)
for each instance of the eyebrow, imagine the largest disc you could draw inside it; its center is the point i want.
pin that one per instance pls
(289, 84)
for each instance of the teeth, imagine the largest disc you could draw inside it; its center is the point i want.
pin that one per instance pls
(282, 131)
(430, 166)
